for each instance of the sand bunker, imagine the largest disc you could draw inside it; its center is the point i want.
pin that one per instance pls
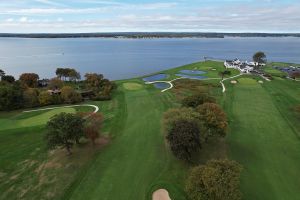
(161, 194)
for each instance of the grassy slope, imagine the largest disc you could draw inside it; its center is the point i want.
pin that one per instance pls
(264, 138)
(137, 162)
(137, 159)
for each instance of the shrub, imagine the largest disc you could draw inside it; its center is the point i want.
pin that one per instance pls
(69, 95)
(184, 138)
(218, 180)
(30, 97)
(213, 120)
(197, 99)
(45, 98)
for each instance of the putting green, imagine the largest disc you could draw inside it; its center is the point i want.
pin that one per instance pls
(132, 86)
(35, 120)
(247, 81)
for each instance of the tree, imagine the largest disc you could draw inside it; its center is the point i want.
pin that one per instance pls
(259, 58)
(197, 99)
(29, 79)
(93, 125)
(59, 72)
(218, 180)
(30, 97)
(45, 98)
(69, 95)
(64, 130)
(295, 75)
(173, 115)
(74, 75)
(94, 81)
(213, 120)
(184, 139)
(55, 83)
(2, 73)
(11, 97)
(8, 78)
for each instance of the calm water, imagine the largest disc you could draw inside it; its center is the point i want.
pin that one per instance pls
(126, 58)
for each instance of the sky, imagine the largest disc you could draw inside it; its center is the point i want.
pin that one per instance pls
(79, 16)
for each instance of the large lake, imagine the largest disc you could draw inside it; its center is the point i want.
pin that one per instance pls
(127, 58)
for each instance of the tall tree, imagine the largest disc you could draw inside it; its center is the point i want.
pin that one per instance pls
(2, 73)
(59, 73)
(8, 78)
(63, 130)
(74, 75)
(29, 79)
(213, 120)
(218, 180)
(184, 139)
(259, 58)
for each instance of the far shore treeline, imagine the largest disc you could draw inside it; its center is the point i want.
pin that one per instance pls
(66, 88)
(147, 35)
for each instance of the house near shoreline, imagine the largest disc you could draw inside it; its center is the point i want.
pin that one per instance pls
(242, 66)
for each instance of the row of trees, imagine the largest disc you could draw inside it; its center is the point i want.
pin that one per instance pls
(69, 73)
(199, 119)
(187, 128)
(66, 129)
(26, 93)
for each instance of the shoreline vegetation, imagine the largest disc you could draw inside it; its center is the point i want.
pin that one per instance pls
(141, 35)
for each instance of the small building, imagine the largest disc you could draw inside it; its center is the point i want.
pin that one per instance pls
(55, 91)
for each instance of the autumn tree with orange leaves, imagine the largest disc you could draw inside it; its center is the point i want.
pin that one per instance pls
(93, 126)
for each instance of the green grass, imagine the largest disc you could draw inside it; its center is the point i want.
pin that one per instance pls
(137, 159)
(275, 72)
(31, 119)
(132, 86)
(212, 68)
(264, 138)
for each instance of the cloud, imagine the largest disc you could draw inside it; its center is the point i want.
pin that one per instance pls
(117, 16)
(23, 19)
(48, 2)
(90, 10)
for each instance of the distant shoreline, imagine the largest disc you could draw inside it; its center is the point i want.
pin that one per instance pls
(145, 35)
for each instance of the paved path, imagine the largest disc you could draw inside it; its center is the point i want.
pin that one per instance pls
(223, 86)
(52, 108)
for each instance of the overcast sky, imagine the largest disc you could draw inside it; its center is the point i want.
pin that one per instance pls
(54, 16)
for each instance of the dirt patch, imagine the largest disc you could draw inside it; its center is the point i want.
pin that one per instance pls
(161, 194)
